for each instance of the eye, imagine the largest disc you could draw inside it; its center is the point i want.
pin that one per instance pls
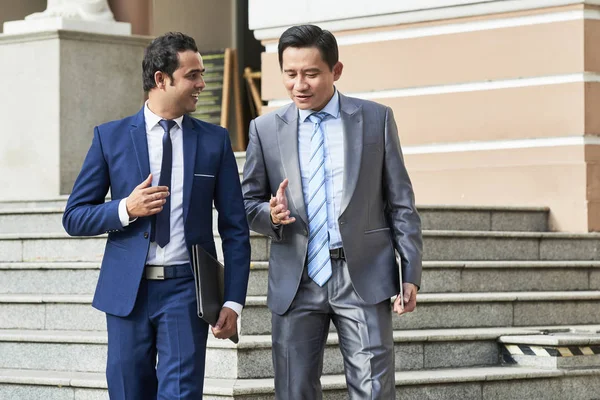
(311, 75)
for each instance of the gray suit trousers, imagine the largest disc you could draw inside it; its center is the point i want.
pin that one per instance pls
(365, 337)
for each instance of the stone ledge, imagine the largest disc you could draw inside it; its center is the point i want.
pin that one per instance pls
(426, 234)
(58, 265)
(330, 382)
(264, 265)
(134, 40)
(558, 339)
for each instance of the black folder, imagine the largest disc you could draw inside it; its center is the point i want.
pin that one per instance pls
(210, 286)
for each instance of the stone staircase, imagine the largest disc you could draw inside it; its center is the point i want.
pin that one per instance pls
(493, 277)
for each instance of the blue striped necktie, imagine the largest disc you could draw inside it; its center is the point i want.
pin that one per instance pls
(319, 259)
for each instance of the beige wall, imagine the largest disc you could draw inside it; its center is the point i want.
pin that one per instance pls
(497, 109)
(209, 22)
(11, 10)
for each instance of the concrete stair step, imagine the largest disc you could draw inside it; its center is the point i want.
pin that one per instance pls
(434, 311)
(438, 276)
(37, 218)
(85, 351)
(482, 383)
(49, 278)
(565, 349)
(469, 310)
(438, 246)
(514, 276)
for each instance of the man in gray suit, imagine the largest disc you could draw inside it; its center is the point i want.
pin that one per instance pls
(325, 179)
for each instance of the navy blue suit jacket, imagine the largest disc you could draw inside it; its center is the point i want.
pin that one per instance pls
(118, 159)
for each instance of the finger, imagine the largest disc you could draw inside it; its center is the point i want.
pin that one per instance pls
(273, 202)
(145, 183)
(282, 186)
(157, 196)
(155, 189)
(281, 214)
(397, 304)
(287, 221)
(156, 204)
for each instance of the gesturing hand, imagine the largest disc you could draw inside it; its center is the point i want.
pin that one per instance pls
(226, 325)
(146, 200)
(410, 299)
(278, 206)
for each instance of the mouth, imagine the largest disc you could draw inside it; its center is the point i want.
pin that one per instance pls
(302, 97)
(195, 96)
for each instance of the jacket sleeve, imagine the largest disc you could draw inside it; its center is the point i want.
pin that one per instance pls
(232, 226)
(400, 205)
(257, 190)
(87, 213)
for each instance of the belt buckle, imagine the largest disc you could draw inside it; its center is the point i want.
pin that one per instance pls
(155, 273)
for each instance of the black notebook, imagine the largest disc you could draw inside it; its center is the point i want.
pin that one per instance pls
(210, 286)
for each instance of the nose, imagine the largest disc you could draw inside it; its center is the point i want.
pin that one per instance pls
(300, 83)
(200, 84)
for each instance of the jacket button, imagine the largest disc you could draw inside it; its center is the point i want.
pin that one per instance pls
(145, 235)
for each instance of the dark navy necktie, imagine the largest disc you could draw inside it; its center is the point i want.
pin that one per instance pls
(163, 218)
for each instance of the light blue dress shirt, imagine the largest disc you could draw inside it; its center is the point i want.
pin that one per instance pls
(333, 131)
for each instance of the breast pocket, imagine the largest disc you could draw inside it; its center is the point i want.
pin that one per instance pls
(203, 185)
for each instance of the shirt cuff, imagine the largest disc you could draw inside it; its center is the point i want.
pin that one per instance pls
(237, 307)
(123, 214)
(273, 224)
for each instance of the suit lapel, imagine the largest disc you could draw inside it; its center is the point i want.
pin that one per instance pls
(352, 121)
(190, 146)
(287, 138)
(140, 144)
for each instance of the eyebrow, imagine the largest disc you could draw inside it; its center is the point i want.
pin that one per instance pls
(309, 70)
(203, 70)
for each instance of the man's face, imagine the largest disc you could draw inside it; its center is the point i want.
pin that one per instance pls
(181, 92)
(307, 77)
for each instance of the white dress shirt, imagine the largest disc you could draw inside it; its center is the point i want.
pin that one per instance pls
(175, 252)
(333, 131)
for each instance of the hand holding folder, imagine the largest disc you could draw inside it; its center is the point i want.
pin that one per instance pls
(402, 305)
(210, 286)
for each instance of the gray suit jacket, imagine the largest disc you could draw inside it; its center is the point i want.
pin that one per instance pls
(377, 211)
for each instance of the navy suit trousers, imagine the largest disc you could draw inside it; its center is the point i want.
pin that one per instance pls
(163, 325)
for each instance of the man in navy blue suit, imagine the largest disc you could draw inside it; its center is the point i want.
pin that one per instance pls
(164, 170)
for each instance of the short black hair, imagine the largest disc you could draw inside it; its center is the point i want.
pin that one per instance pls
(309, 36)
(161, 55)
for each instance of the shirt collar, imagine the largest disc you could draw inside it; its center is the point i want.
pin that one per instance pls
(152, 119)
(332, 108)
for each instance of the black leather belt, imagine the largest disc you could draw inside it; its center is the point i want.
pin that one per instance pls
(161, 272)
(337, 254)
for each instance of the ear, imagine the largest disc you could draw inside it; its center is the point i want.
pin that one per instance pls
(337, 70)
(160, 79)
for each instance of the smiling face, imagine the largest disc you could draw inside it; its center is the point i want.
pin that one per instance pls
(307, 77)
(178, 95)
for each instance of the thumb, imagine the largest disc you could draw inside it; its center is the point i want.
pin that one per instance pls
(221, 321)
(407, 295)
(146, 183)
